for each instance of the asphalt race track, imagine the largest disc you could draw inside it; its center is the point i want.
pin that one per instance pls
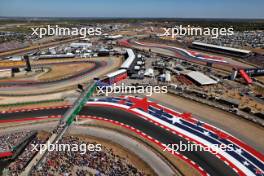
(210, 163)
(97, 65)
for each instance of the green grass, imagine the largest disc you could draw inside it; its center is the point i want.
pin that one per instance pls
(30, 103)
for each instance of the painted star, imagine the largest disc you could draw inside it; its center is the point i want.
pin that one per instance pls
(238, 151)
(159, 113)
(206, 133)
(199, 123)
(141, 103)
(246, 163)
(175, 120)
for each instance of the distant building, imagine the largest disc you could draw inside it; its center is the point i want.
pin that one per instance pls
(167, 77)
(200, 78)
(149, 72)
(53, 56)
(115, 76)
(103, 52)
(114, 37)
(81, 45)
(16, 58)
(52, 50)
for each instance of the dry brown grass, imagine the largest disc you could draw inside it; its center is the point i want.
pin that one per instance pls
(62, 71)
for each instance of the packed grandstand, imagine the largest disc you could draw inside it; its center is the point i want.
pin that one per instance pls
(103, 162)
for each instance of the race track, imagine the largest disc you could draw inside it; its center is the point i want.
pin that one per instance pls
(210, 163)
(188, 55)
(69, 78)
(207, 161)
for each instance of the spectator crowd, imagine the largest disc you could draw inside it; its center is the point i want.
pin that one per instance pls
(103, 162)
(10, 140)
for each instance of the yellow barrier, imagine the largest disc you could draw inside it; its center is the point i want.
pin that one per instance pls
(12, 63)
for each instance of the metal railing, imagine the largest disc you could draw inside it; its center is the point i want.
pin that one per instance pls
(63, 125)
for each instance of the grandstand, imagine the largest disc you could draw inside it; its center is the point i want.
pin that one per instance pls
(255, 71)
(129, 62)
(131, 57)
(221, 49)
(80, 45)
(125, 70)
